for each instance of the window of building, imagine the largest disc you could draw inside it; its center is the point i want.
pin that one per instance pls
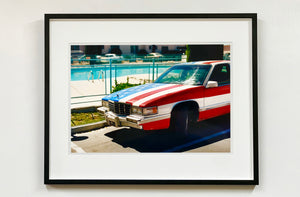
(134, 49)
(74, 47)
(164, 49)
(115, 49)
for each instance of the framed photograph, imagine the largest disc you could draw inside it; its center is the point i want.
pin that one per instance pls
(151, 99)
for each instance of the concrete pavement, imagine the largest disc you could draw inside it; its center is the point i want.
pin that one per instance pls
(207, 136)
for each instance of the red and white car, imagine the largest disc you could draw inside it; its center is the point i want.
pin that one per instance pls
(184, 94)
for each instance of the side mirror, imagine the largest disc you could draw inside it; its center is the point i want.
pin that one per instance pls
(212, 84)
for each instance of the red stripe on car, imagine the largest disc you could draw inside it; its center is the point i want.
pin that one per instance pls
(211, 62)
(211, 113)
(131, 101)
(186, 94)
(208, 92)
(156, 125)
(193, 92)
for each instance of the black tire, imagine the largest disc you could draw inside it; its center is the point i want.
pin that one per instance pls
(181, 121)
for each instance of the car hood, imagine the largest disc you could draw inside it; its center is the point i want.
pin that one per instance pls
(153, 94)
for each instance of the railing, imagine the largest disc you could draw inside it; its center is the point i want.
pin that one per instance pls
(103, 76)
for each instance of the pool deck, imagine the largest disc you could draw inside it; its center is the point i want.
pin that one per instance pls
(89, 93)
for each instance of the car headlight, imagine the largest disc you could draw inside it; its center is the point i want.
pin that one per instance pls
(104, 103)
(144, 111)
(137, 110)
(149, 110)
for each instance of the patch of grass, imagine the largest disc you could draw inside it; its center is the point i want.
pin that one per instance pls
(85, 118)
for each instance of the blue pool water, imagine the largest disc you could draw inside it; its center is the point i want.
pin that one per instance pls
(118, 70)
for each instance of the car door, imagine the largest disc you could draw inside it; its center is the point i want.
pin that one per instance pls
(217, 99)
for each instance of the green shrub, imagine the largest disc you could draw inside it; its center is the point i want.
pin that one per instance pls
(188, 53)
(121, 86)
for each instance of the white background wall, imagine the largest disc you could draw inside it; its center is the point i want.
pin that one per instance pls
(22, 101)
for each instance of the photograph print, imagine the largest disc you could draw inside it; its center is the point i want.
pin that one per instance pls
(150, 98)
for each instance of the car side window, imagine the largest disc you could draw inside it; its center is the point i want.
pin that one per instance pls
(221, 74)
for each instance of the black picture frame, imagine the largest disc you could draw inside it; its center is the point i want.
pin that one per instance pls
(251, 16)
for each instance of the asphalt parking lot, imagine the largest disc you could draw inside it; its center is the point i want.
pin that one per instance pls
(207, 136)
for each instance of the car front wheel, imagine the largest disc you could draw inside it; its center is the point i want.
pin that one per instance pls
(181, 121)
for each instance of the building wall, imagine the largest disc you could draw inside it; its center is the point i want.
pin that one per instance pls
(226, 49)
(126, 50)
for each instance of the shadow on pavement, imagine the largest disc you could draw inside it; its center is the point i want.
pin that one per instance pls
(163, 140)
(78, 138)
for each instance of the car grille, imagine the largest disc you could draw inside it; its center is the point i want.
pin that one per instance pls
(119, 108)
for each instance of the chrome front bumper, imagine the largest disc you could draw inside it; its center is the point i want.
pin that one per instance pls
(121, 121)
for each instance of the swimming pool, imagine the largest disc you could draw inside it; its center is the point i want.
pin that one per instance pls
(116, 70)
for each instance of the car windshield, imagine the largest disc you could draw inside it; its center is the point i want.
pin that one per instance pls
(185, 74)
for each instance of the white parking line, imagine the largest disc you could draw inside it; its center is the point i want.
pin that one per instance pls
(77, 148)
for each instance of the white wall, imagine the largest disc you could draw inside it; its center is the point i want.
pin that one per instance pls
(22, 82)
